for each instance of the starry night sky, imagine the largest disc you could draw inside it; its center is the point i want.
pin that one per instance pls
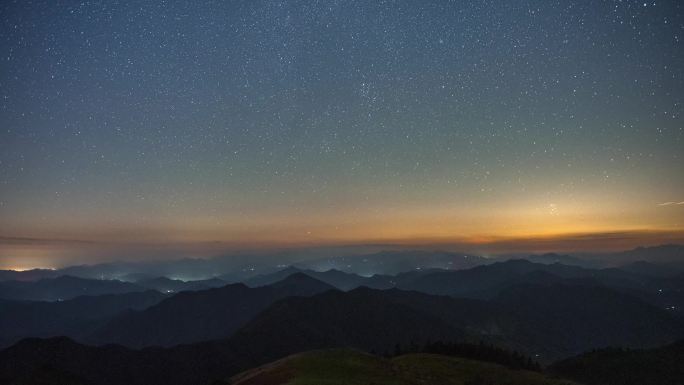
(321, 122)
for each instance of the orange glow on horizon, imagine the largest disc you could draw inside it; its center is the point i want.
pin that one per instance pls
(56, 253)
(524, 226)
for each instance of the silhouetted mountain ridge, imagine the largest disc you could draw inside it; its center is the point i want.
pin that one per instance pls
(193, 316)
(167, 285)
(527, 318)
(63, 287)
(76, 317)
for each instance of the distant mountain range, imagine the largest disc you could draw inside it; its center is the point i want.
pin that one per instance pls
(548, 317)
(63, 288)
(395, 262)
(66, 287)
(487, 281)
(547, 322)
(76, 318)
(237, 268)
(167, 285)
(551, 258)
(342, 280)
(664, 254)
(200, 334)
(194, 316)
(204, 314)
(28, 275)
(241, 267)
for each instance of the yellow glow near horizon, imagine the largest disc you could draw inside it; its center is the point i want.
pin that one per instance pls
(589, 221)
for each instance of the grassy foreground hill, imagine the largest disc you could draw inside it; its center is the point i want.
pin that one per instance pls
(350, 367)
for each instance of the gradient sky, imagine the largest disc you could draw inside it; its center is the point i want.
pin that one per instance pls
(254, 123)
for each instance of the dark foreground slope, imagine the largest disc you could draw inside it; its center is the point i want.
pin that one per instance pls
(349, 367)
(660, 366)
(31, 360)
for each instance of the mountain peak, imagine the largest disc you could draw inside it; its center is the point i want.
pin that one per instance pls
(302, 280)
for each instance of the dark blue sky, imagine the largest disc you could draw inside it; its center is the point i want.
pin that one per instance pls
(339, 121)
